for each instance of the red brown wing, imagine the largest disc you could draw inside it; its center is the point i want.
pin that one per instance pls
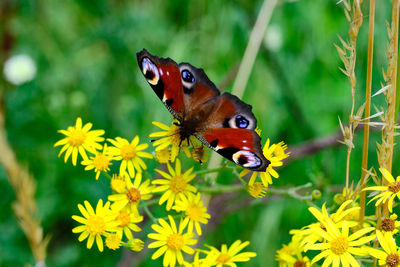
(241, 146)
(164, 77)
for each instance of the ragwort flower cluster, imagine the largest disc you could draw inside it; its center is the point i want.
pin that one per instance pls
(134, 190)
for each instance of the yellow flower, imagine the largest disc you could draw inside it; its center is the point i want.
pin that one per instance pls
(132, 195)
(195, 211)
(130, 154)
(257, 190)
(175, 184)
(113, 241)
(169, 137)
(391, 255)
(390, 224)
(338, 247)
(309, 234)
(388, 192)
(99, 162)
(79, 139)
(171, 242)
(228, 256)
(275, 154)
(118, 184)
(197, 262)
(135, 245)
(127, 223)
(291, 255)
(163, 155)
(95, 224)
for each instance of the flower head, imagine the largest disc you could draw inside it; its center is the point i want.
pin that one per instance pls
(135, 245)
(175, 184)
(79, 139)
(391, 255)
(95, 223)
(113, 241)
(127, 223)
(99, 162)
(387, 192)
(195, 211)
(275, 154)
(257, 190)
(130, 154)
(163, 155)
(228, 256)
(338, 246)
(169, 138)
(118, 183)
(291, 255)
(389, 224)
(132, 195)
(171, 241)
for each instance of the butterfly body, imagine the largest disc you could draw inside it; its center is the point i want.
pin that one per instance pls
(222, 122)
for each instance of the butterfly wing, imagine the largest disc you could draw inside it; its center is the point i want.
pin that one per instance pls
(164, 77)
(222, 122)
(229, 130)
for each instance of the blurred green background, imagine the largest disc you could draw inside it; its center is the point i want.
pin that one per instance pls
(86, 66)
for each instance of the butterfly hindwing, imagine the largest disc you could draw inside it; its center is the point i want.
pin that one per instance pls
(238, 145)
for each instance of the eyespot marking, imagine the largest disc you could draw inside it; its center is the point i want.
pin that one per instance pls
(238, 121)
(150, 71)
(246, 159)
(187, 79)
(241, 122)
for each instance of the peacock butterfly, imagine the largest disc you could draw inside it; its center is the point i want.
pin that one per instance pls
(222, 122)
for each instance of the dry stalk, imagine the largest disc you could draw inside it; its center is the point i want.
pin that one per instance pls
(24, 207)
(367, 112)
(347, 53)
(385, 149)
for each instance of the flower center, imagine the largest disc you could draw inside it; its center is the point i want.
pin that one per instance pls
(124, 218)
(175, 242)
(194, 212)
(178, 184)
(392, 260)
(76, 137)
(223, 258)
(394, 187)
(388, 225)
(299, 263)
(134, 195)
(95, 225)
(101, 162)
(113, 241)
(128, 151)
(339, 245)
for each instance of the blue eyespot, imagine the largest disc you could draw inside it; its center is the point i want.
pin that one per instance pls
(241, 122)
(187, 76)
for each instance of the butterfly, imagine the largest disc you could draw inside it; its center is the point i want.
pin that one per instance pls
(222, 122)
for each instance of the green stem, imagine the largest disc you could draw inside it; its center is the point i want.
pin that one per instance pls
(219, 189)
(223, 168)
(148, 212)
